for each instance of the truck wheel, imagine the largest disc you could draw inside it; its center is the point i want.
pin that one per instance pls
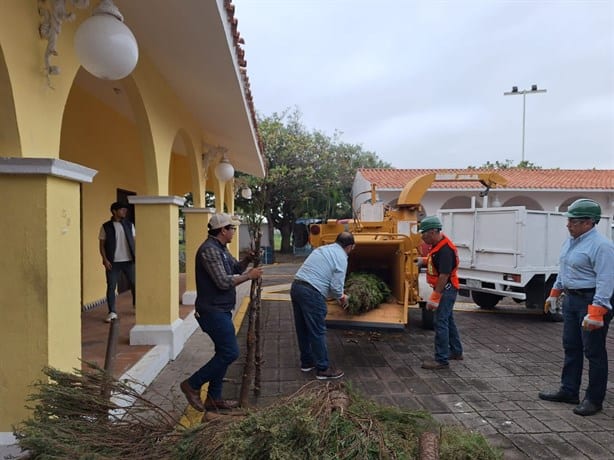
(537, 291)
(428, 317)
(485, 300)
(553, 317)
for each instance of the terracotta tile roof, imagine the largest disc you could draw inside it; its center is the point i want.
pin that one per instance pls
(518, 178)
(238, 43)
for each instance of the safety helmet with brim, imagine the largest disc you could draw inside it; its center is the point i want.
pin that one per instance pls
(429, 223)
(584, 209)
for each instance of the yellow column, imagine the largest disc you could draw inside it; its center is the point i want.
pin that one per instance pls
(157, 271)
(196, 220)
(40, 286)
(233, 247)
(218, 191)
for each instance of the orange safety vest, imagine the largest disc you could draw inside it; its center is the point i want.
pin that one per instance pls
(431, 272)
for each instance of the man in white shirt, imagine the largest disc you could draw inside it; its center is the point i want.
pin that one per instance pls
(116, 242)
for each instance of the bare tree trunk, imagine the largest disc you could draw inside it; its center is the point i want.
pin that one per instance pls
(271, 232)
(286, 238)
(258, 347)
(253, 309)
(429, 446)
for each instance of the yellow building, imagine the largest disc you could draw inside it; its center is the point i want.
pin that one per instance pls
(71, 144)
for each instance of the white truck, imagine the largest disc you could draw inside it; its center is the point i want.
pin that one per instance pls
(508, 252)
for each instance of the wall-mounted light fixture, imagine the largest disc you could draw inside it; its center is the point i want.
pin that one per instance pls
(104, 45)
(246, 193)
(224, 171)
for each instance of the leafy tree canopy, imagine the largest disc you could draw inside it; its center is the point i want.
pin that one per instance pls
(507, 164)
(309, 174)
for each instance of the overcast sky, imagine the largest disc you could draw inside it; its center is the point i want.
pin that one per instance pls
(421, 83)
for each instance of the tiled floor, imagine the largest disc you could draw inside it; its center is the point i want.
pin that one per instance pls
(95, 333)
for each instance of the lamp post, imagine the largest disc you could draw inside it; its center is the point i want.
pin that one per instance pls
(524, 92)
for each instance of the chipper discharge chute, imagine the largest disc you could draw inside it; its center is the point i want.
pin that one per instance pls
(387, 245)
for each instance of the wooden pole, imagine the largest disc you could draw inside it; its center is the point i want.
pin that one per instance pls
(109, 359)
(252, 312)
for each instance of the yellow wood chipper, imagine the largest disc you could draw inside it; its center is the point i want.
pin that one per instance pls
(387, 245)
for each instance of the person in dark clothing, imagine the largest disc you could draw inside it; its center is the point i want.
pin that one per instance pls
(116, 244)
(217, 275)
(441, 266)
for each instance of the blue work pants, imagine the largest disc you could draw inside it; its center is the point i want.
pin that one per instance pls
(310, 323)
(447, 338)
(579, 343)
(219, 326)
(113, 277)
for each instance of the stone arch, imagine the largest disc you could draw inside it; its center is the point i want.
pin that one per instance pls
(183, 175)
(102, 128)
(141, 117)
(457, 202)
(521, 200)
(10, 145)
(565, 204)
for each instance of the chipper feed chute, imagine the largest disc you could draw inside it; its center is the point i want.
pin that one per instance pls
(389, 255)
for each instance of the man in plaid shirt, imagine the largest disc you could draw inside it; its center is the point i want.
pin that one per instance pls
(217, 275)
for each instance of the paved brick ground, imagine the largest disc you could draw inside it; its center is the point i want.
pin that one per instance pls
(509, 357)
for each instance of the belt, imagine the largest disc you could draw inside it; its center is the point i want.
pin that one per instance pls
(580, 292)
(304, 283)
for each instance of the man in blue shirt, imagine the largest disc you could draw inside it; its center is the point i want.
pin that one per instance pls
(586, 276)
(321, 276)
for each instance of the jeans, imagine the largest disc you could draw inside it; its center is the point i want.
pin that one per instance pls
(447, 339)
(218, 325)
(113, 277)
(579, 343)
(309, 321)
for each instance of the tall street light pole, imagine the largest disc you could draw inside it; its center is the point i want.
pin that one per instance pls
(524, 92)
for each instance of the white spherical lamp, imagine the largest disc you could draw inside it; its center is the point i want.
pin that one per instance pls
(246, 193)
(104, 45)
(224, 171)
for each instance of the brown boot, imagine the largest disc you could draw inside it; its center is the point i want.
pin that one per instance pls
(433, 365)
(220, 404)
(192, 395)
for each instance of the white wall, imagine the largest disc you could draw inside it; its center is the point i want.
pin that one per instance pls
(244, 239)
(546, 200)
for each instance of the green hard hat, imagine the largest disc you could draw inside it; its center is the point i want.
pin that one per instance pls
(584, 209)
(429, 223)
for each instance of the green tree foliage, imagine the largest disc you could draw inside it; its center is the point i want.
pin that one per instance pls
(507, 164)
(309, 174)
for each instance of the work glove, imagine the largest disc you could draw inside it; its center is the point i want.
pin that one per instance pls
(551, 304)
(433, 302)
(594, 318)
(344, 300)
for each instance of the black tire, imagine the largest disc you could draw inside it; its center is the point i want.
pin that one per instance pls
(537, 291)
(428, 317)
(485, 300)
(553, 317)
